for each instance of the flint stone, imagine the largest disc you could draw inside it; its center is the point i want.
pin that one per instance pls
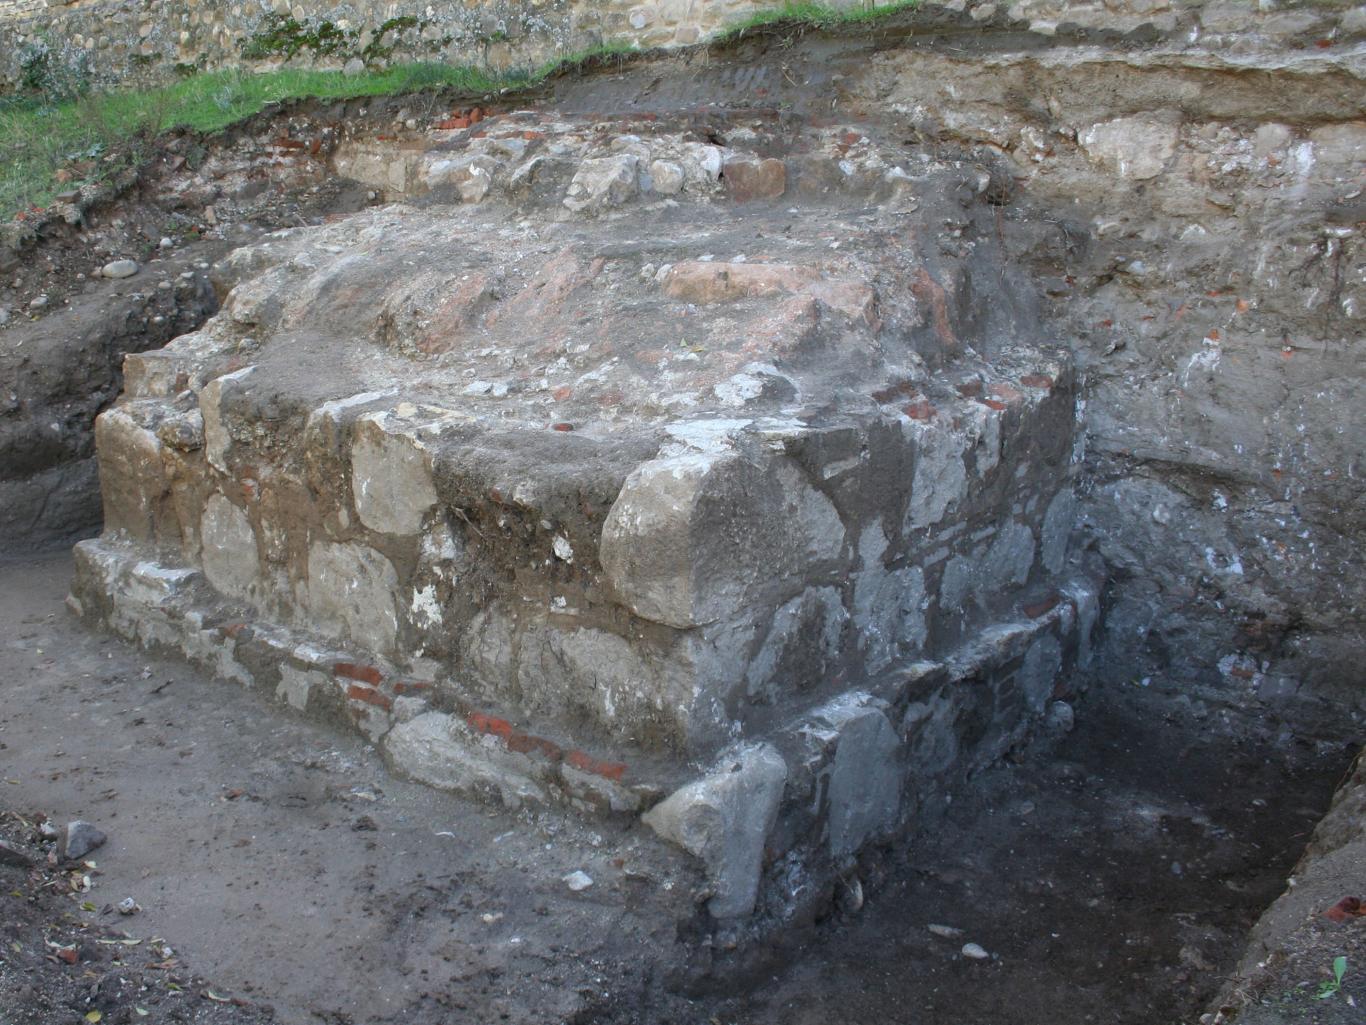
(724, 818)
(603, 182)
(10, 855)
(666, 177)
(120, 269)
(79, 839)
(865, 782)
(1132, 147)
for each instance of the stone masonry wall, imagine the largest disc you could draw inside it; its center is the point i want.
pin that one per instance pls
(122, 39)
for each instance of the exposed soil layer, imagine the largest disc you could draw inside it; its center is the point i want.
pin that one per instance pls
(262, 871)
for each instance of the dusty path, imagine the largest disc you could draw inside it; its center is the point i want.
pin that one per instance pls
(1112, 883)
(281, 860)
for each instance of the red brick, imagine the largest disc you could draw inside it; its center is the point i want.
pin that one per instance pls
(562, 426)
(748, 179)
(355, 671)
(1005, 393)
(359, 692)
(1037, 381)
(489, 724)
(413, 686)
(525, 744)
(919, 410)
(1042, 607)
(970, 389)
(586, 763)
(995, 404)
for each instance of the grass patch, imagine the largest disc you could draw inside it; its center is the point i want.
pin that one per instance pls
(37, 138)
(804, 15)
(97, 135)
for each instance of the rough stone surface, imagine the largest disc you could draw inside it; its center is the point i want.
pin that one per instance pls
(865, 782)
(78, 839)
(724, 818)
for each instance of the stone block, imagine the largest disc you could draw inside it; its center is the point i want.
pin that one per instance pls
(391, 479)
(724, 819)
(754, 179)
(700, 537)
(1138, 148)
(603, 182)
(351, 594)
(227, 549)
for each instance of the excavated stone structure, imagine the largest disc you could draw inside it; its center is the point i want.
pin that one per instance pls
(722, 481)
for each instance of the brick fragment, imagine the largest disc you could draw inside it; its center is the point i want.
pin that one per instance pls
(356, 671)
(370, 696)
(587, 763)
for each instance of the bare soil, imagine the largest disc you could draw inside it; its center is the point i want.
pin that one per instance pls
(1113, 882)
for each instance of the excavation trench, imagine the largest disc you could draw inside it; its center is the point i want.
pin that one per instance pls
(811, 489)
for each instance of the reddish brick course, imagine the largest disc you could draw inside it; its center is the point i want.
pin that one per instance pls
(586, 763)
(363, 673)
(360, 692)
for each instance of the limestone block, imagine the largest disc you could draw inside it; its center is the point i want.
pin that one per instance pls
(724, 818)
(889, 606)
(931, 728)
(700, 537)
(603, 182)
(391, 478)
(132, 474)
(216, 436)
(351, 592)
(296, 685)
(1138, 148)
(228, 549)
(711, 282)
(441, 751)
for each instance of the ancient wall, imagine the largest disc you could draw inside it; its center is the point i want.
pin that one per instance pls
(118, 39)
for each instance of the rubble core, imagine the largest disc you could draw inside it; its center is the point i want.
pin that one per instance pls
(724, 482)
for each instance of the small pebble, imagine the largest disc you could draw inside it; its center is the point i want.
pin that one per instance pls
(79, 839)
(975, 952)
(948, 932)
(120, 269)
(578, 880)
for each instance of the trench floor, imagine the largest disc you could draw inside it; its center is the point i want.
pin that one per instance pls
(1112, 881)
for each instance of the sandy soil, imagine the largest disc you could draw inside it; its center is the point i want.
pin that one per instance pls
(1112, 882)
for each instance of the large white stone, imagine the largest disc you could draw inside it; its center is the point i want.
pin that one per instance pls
(724, 818)
(228, 550)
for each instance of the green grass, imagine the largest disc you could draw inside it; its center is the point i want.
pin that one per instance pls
(36, 138)
(801, 14)
(102, 133)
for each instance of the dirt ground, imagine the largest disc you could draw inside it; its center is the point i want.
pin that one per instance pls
(1113, 882)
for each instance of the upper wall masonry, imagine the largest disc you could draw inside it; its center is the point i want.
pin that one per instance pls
(118, 40)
